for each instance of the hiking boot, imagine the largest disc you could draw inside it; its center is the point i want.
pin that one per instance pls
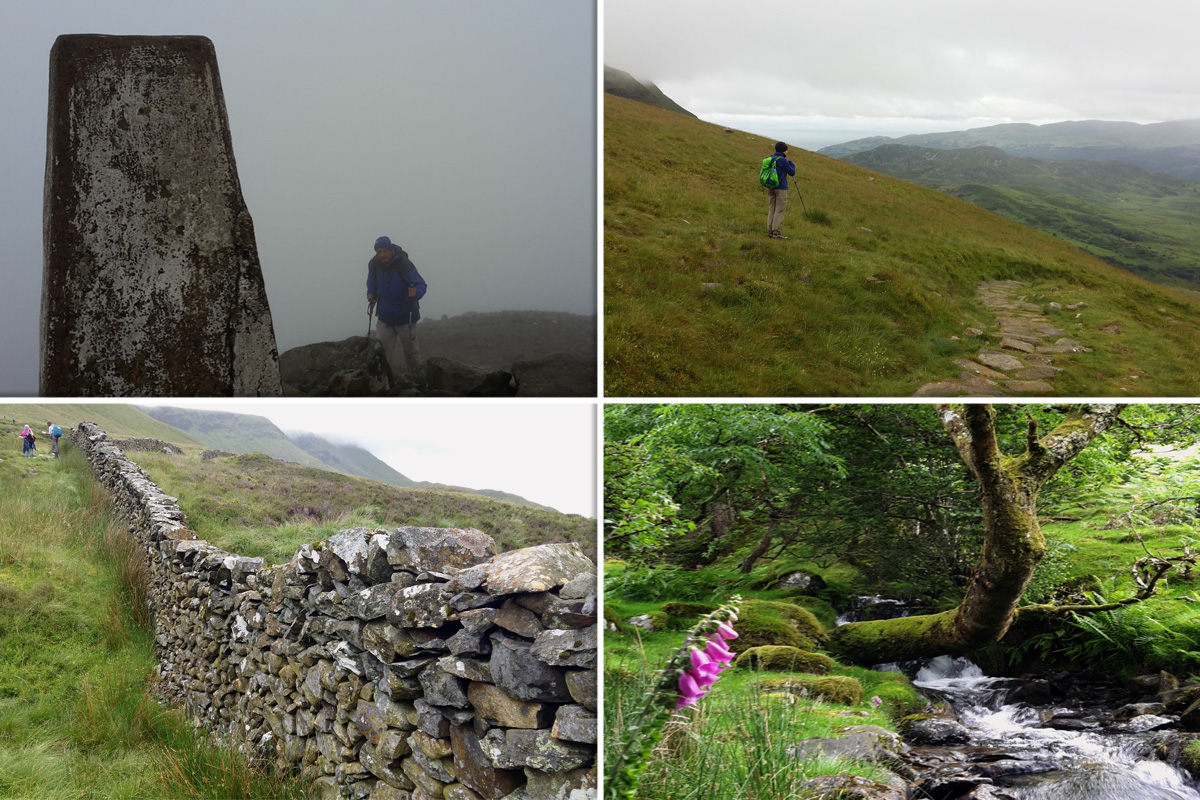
(776, 236)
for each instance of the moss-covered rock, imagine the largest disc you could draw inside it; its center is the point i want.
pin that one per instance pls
(821, 609)
(777, 658)
(1190, 758)
(613, 621)
(689, 611)
(759, 629)
(833, 688)
(774, 622)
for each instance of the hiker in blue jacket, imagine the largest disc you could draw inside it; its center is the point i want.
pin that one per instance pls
(778, 197)
(395, 287)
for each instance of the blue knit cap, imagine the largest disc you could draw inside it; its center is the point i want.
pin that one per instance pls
(383, 241)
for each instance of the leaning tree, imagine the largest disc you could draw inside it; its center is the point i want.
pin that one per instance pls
(1013, 543)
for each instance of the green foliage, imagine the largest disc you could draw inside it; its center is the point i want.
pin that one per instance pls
(819, 217)
(657, 585)
(757, 627)
(784, 659)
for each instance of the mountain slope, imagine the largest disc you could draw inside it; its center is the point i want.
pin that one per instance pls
(699, 302)
(348, 458)
(1136, 219)
(239, 433)
(1172, 148)
(622, 84)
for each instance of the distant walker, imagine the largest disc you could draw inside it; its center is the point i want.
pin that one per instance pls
(777, 196)
(395, 287)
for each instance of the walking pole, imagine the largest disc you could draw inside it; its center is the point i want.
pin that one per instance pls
(370, 313)
(802, 203)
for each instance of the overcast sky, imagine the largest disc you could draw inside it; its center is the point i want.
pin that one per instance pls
(465, 131)
(542, 451)
(831, 72)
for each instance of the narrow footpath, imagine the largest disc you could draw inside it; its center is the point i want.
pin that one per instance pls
(1025, 357)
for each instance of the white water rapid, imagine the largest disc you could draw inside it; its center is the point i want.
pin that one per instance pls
(1067, 765)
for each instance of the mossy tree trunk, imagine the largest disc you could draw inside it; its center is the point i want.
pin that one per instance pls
(1013, 543)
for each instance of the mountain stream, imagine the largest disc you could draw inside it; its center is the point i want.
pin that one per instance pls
(1014, 746)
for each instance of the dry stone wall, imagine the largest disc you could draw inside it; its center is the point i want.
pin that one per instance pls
(411, 664)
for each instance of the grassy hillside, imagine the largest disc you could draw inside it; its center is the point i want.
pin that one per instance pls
(869, 296)
(241, 433)
(623, 84)
(349, 458)
(118, 420)
(1132, 218)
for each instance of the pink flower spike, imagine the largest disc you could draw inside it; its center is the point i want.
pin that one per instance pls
(726, 632)
(717, 650)
(700, 660)
(688, 686)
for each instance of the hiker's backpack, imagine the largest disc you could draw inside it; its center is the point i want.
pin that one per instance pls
(56, 431)
(768, 176)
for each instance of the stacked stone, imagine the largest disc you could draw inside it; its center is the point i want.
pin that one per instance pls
(410, 664)
(148, 446)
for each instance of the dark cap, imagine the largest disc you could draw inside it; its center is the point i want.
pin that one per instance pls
(383, 242)
(780, 147)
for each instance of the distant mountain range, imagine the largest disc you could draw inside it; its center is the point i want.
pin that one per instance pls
(622, 84)
(247, 433)
(1137, 219)
(1172, 148)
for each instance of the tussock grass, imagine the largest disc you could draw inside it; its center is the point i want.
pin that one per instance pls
(77, 714)
(699, 302)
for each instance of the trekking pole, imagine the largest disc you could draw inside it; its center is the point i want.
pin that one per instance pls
(802, 203)
(370, 313)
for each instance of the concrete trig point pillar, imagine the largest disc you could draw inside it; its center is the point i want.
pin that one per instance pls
(151, 284)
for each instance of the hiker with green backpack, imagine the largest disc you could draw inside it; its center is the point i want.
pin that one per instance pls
(773, 177)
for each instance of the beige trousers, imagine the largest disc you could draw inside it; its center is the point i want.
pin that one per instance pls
(403, 355)
(778, 199)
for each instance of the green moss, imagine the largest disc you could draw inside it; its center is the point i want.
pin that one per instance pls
(613, 621)
(767, 622)
(833, 688)
(822, 610)
(1190, 758)
(784, 659)
(758, 629)
(687, 610)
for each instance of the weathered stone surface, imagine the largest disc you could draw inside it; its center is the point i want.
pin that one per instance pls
(574, 724)
(999, 361)
(497, 707)
(578, 784)
(582, 686)
(537, 569)
(511, 749)
(424, 605)
(521, 621)
(566, 648)
(468, 668)
(443, 689)
(439, 549)
(450, 378)
(556, 375)
(476, 771)
(522, 674)
(354, 367)
(151, 281)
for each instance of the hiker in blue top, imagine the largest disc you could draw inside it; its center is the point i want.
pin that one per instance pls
(778, 196)
(395, 287)
(54, 432)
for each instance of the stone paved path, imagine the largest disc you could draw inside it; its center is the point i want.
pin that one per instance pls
(1025, 356)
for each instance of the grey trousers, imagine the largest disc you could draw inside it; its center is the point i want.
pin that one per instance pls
(778, 198)
(400, 348)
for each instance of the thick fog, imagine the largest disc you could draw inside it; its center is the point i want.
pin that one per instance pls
(464, 131)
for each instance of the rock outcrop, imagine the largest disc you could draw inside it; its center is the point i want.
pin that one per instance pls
(151, 283)
(406, 664)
